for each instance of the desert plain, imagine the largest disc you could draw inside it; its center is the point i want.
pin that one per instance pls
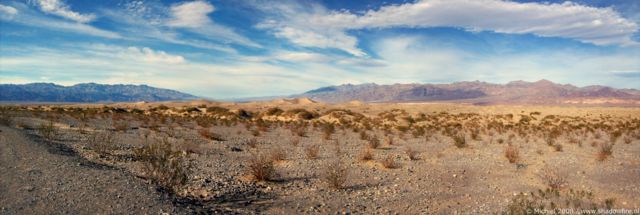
(303, 157)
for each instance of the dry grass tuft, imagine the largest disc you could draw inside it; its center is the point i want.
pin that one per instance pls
(389, 162)
(553, 178)
(606, 150)
(261, 167)
(167, 167)
(312, 151)
(412, 153)
(336, 174)
(512, 153)
(366, 154)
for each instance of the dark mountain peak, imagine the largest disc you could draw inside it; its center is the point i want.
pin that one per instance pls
(538, 92)
(87, 92)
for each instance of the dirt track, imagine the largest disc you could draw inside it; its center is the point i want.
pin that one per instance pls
(45, 178)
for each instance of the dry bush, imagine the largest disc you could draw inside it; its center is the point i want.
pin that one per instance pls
(253, 143)
(102, 142)
(366, 154)
(412, 153)
(627, 140)
(460, 140)
(312, 151)
(364, 135)
(512, 153)
(206, 133)
(374, 142)
(553, 178)
(605, 150)
(336, 174)
(389, 162)
(550, 200)
(255, 133)
(557, 147)
(388, 140)
(295, 141)
(261, 167)
(47, 130)
(327, 130)
(167, 167)
(278, 154)
(299, 130)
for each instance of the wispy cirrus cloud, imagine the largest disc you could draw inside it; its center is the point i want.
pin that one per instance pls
(194, 16)
(312, 25)
(22, 14)
(60, 8)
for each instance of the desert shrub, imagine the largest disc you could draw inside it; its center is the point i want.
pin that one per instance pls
(295, 141)
(557, 147)
(278, 154)
(206, 133)
(336, 174)
(167, 167)
(299, 130)
(327, 130)
(47, 130)
(459, 140)
(364, 135)
(412, 153)
(253, 143)
(312, 151)
(549, 201)
(389, 162)
(255, 133)
(374, 142)
(102, 142)
(512, 153)
(627, 140)
(261, 167)
(366, 154)
(605, 150)
(217, 110)
(418, 132)
(553, 178)
(388, 140)
(274, 111)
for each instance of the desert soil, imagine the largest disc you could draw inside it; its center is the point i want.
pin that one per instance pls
(65, 175)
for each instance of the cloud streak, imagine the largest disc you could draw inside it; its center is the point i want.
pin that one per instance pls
(315, 26)
(59, 8)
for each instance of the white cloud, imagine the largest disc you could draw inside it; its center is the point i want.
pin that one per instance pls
(59, 8)
(8, 10)
(194, 16)
(148, 55)
(29, 17)
(312, 25)
(191, 14)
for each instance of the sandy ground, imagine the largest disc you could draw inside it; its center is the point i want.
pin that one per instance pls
(445, 179)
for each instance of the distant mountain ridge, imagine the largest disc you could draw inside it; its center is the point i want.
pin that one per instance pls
(477, 92)
(87, 92)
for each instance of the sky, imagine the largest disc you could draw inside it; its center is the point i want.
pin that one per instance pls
(253, 48)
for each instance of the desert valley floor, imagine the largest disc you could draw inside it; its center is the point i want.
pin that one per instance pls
(301, 157)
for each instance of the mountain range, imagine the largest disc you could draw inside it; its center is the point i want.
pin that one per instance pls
(476, 92)
(89, 92)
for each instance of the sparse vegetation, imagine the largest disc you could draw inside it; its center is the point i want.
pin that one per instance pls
(512, 153)
(336, 174)
(163, 165)
(261, 167)
(605, 151)
(553, 178)
(312, 151)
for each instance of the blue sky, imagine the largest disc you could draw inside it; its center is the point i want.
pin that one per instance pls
(228, 49)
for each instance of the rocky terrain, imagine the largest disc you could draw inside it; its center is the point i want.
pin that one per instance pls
(297, 156)
(515, 92)
(90, 92)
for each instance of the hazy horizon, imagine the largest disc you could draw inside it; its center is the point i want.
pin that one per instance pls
(219, 49)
